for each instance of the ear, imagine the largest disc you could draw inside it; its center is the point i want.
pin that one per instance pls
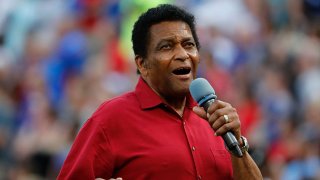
(141, 65)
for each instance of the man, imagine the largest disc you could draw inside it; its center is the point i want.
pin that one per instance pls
(157, 131)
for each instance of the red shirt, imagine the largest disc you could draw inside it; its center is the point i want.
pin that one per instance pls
(137, 136)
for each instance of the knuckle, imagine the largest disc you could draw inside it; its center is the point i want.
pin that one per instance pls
(228, 105)
(236, 116)
(238, 123)
(219, 113)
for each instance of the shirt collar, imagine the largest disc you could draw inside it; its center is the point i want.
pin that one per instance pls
(146, 96)
(149, 99)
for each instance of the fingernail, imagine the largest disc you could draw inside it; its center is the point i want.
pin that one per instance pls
(208, 115)
(215, 134)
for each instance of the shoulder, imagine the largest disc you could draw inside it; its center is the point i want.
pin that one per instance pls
(117, 104)
(116, 108)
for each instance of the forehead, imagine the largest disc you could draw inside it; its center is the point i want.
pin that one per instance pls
(168, 30)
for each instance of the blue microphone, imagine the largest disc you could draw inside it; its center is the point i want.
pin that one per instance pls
(203, 93)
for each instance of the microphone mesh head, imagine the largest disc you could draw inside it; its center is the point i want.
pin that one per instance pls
(199, 88)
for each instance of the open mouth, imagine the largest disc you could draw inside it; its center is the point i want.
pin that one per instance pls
(182, 71)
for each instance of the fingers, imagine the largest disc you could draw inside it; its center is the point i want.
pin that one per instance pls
(216, 116)
(220, 108)
(200, 112)
(217, 119)
(217, 123)
(217, 105)
(233, 126)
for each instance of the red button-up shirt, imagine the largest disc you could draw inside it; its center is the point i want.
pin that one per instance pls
(137, 136)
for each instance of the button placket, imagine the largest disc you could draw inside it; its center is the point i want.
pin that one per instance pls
(192, 146)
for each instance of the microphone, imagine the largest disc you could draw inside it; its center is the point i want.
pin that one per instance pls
(202, 92)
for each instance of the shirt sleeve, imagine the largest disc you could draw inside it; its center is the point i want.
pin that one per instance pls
(90, 156)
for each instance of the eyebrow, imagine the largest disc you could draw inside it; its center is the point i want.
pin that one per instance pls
(172, 39)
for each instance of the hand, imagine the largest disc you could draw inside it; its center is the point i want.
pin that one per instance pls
(216, 119)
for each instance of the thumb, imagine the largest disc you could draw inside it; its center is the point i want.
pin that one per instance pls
(200, 112)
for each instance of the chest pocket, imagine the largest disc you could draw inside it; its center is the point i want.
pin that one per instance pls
(222, 162)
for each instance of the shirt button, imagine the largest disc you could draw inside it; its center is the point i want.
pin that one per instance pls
(193, 148)
(184, 123)
(199, 177)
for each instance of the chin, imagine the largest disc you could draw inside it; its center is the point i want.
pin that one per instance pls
(182, 91)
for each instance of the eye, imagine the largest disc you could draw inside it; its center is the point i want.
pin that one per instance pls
(189, 45)
(165, 47)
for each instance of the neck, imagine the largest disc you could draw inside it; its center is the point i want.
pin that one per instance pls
(176, 101)
(177, 104)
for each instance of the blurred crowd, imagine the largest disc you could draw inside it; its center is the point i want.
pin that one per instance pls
(60, 59)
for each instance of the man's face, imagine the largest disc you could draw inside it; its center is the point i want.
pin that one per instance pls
(172, 58)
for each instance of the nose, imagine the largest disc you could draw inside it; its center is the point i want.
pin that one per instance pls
(181, 53)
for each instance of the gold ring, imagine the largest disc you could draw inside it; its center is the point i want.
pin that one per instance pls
(226, 118)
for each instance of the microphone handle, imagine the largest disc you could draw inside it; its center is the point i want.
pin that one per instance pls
(229, 139)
